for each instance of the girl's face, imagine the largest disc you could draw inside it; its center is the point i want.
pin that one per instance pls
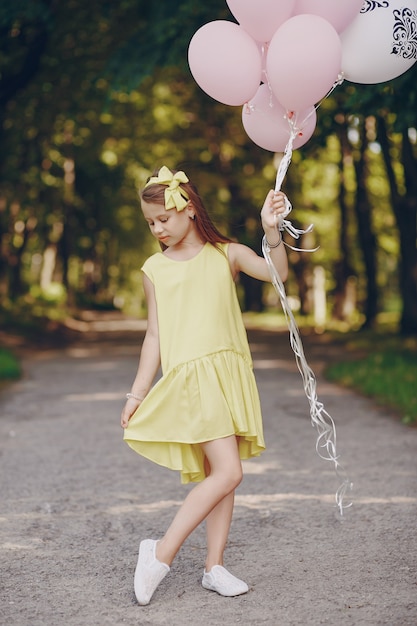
(169, 227)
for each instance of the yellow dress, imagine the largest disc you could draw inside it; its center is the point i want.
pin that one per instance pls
(207, 390)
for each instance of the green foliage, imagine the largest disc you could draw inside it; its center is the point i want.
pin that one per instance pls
(398, 96)
(9, 366)
(389, 376)
(101, 94)
(161, 36)
(34, 309)
(52, 295)
(18, 11)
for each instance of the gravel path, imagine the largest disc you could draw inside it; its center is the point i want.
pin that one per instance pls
(75, 501)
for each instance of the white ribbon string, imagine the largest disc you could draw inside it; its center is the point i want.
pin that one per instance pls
(339, 80)
(294, 130)
(320, 418)
(286, 160)
(283, 223)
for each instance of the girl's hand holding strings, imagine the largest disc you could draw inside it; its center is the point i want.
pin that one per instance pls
(273, 207)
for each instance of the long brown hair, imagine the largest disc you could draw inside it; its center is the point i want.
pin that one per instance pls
(155, 193)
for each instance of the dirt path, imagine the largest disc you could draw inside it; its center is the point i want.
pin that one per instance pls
(75, 501)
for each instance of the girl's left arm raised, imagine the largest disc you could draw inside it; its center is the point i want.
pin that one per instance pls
(244, 259)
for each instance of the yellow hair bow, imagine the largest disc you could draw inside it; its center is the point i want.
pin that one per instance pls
(175, 196)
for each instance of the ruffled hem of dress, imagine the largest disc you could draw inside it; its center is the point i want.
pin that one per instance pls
(208, 398)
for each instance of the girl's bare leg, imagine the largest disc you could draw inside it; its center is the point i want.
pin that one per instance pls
(225, 476)
(217, 526)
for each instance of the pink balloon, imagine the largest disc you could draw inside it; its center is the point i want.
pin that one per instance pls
(261, 18)
(340, 13)
(266, 123)
(303, 61)
(226, 62)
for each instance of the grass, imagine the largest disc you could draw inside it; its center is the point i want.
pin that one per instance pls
(387, 373)
(9, 366)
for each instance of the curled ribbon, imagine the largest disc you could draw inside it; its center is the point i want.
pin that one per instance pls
(295, 233)
(326, 429)
(320, 418)
(175, 196)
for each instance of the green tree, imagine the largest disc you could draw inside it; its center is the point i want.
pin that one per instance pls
(394, 106)
(94, 95)
(52, 102)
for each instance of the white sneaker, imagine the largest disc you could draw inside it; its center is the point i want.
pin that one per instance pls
(149, 572)
(220, 580)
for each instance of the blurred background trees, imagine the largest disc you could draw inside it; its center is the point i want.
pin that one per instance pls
(94, 96)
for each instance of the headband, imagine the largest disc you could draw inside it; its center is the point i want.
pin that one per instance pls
(175, 196)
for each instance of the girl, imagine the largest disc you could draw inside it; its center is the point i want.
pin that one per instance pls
(203, 416)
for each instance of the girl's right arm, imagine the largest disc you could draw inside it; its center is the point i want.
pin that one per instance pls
(150, 359)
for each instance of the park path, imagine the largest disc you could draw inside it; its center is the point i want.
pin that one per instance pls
(75, 501)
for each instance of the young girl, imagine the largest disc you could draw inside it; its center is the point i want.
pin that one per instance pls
(203, 416)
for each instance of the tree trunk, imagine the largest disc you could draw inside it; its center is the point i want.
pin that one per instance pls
(343, 269)
(366, 235)
(16, 284)
(405, 211)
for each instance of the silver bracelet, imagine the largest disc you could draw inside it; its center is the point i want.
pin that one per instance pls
(275, 245)
(134, 396)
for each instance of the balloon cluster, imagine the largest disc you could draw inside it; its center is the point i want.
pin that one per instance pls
(284, 56)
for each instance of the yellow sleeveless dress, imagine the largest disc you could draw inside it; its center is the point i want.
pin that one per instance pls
(207, 390)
